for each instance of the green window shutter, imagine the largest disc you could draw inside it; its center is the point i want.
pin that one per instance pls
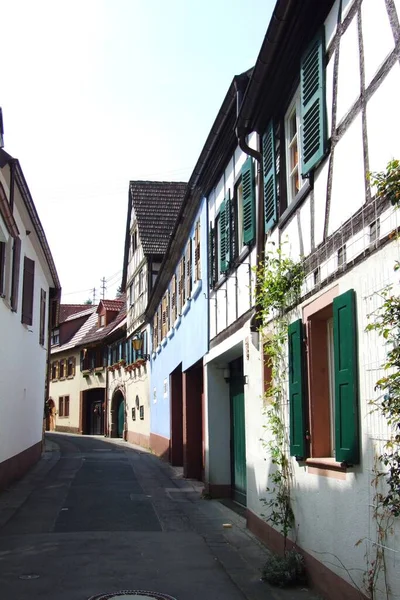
(313, 105)
(228, 229)
(222, 238)
(248, 199)
(346, 385)
(211, 257)
(297, 398)
(269, 171)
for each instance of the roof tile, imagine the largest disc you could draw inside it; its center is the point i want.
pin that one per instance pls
(157, 205)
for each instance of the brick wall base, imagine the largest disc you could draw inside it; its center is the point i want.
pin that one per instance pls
(15, 467)
(67, 429)
(140, 439)
(160, 445)
(321, 579)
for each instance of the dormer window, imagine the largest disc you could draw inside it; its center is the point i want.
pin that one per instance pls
(102, 321)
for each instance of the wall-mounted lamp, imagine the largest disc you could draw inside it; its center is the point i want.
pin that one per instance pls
(137, 345)
(227, 375)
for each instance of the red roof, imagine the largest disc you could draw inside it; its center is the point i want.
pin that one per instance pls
(113, 305)
(67, 310)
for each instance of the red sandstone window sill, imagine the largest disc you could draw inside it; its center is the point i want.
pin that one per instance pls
(326, 463)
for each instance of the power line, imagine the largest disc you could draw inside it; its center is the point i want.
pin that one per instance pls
(103, 287)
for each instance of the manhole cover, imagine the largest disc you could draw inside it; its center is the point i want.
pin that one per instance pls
(29, 576)
(133, 595)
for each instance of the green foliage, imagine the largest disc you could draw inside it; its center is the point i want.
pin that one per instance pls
(284, 571)
(279, 282)
(386, 322)
(88, 301)
(386, 482)
(387, 182)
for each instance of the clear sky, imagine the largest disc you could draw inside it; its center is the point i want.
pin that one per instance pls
(98, 92)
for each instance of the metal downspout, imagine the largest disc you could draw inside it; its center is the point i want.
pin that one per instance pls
(260, 234)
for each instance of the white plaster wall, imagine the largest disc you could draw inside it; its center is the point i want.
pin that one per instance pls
(69, 386)
(241, 282)
(377, 35)
(318, 501)
(348, 183)
(132, 384)
(349, 86)
(382, 124)
(320, 190)
(22, 358)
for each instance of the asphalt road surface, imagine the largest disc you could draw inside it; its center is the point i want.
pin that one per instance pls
(97, 516)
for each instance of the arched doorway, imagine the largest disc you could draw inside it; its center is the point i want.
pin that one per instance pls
(118, 415)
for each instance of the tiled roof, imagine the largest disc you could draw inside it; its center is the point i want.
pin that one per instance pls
(82, 313)
(66, 310)
(96, 335)
(113, 305)
(156, 205)
(76, 340)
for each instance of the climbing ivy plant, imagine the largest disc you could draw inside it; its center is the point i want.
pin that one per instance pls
(279, 283)
(385, 321)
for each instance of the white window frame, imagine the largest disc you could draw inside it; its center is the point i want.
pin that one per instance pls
(295, 105)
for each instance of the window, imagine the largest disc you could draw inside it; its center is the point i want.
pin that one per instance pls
(238, 234)
(159, 324)
(131, 295)
(141, 412)
(42, 317)
(181, 283)
(27, 291)
(305, 133)
(102, 320)
(217, 246)
(324, 421)
(173, 299)
(2, 267)
(71, 367)
(15, 274)
(197, 262)
(155, 331)
(188, 261)
(54, 370)
(293, 149)
(212, 256)
(165, 315)
(62, 368)
(63, 406)
(235, 225)
(55, 337)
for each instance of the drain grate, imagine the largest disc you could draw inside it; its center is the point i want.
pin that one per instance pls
(133, 595)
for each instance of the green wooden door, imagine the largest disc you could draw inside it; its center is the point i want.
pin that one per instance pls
(238, 434)
(121, 419)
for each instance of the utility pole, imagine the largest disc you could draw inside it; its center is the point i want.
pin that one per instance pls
(103, 287)
(94, 295)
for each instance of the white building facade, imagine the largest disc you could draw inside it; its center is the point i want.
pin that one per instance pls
(29, 286)
(320, 110)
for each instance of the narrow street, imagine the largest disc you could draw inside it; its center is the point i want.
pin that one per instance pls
(97, 516)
